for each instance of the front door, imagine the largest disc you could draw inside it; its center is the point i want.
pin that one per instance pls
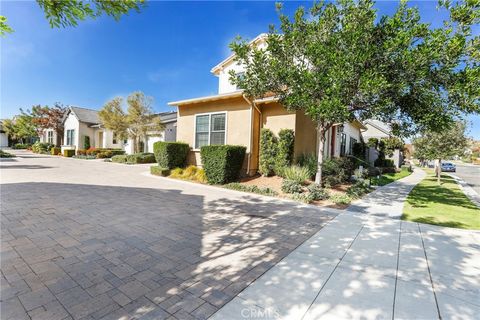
(100, 139)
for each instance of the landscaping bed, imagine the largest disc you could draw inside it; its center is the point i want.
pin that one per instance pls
(444, 205)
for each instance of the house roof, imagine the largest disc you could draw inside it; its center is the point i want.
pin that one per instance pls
(215, 97)
(382, 126)
(219, 67)
(85, 115)
(166, 117)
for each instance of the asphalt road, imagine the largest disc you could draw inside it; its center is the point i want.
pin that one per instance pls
(471, 175)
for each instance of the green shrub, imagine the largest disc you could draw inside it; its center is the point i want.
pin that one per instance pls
(340, 199)
(55, 151)
(358, 150)
(42, 147)
(407, 167)
(285, 148)
(86, 143)
(68, 152)
(171, 154)
(291, 186)
(373, 172)
(372, 143)
(317, 192)
(222, 163)
(388, 170)
(268, 152)
(119, 158)
(250, 188)
(84, 157)
(20, 146)
(309, 161)
(158, 171)
(302, 197)
(108, 153)
(358, 189)
(337, 170)
(296, 173)
(384, 163)
(4, 154)
(140, 158)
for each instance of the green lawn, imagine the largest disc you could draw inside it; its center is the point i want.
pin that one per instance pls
(389, 178)
(445, 205)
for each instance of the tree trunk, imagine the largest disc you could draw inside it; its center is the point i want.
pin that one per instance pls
(438, 170)
(321, 145)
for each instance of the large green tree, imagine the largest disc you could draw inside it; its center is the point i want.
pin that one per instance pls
(447, 143)
(342, 61)
(138, 121)
(67, 13)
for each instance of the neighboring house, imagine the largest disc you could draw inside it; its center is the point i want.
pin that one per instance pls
(80, 123)
(230, 118)
(380, 130)
(3, 136)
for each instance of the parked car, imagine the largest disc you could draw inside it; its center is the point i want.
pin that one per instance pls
(448, 167)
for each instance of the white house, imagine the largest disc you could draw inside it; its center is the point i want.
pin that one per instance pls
(380, 130)
(83, 124)
(3, 136)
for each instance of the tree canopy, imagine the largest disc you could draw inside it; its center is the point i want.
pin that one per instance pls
(136, 122)
(341, 61)
(67, 13)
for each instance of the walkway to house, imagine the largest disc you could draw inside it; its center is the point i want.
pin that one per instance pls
(366, 265)
(387, 201)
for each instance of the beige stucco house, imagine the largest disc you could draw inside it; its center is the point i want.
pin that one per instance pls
(230, 118)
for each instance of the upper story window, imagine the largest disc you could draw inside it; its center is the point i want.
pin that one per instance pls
(114, 139)
(240, 75)
(50, 137)
(70, 137)
(210, 129)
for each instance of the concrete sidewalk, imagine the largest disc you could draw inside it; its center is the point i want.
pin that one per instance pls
(387, 201)
(366, 267)
(370, 266)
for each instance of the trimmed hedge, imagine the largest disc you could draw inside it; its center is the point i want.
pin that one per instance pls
(42, 147)
(159, 171)
(21, 146)
(385, 163)
(68, 152)
(109, 153)
(55, 151)
(119, 158)
(171, 154)
(285, 148)
(141, 158)
(268, 152)
(222, 163)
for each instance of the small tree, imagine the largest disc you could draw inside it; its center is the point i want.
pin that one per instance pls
(49, 118)
(341, 62)
(441, 145)
(135, 123)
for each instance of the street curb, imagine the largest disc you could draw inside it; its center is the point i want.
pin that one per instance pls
(467, 190)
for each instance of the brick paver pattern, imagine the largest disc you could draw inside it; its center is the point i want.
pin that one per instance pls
(93, 240)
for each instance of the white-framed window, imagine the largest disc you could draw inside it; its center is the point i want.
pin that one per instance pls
(239, 75)
(70, 137)
(210, 129)
(50, 137)
(114, 138)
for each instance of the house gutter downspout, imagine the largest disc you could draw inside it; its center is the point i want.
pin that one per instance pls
(252, 107)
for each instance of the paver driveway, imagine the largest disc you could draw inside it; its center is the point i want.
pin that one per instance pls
(91, 240)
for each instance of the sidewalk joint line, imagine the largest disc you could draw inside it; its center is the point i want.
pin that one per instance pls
(396, 272)
(429, 273)
(333, 271)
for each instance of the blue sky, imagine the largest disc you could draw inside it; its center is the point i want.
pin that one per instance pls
(166, 51)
